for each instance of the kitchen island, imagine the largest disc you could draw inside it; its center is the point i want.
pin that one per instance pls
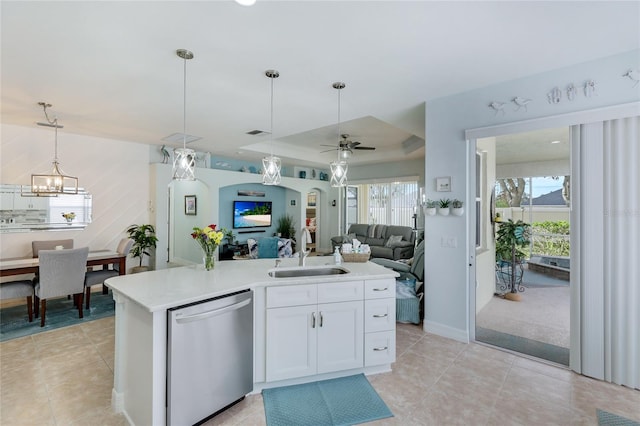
(306, 328)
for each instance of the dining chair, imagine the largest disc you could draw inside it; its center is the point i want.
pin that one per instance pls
(61, 273)
(18, 289)
(36, 246)
(98, 277)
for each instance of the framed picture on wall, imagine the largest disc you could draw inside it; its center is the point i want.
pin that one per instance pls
(443, 184)
(190, 205)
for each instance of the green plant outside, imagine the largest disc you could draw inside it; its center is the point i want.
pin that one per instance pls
(511, 238)
(551, 238)
(144, 238)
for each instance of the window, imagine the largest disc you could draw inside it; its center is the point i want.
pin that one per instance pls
(481, 200)
(388, 203)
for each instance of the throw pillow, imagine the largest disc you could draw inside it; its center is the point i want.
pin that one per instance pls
(393, 241)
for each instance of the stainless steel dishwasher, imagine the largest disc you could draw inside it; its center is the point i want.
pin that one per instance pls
(209, 357)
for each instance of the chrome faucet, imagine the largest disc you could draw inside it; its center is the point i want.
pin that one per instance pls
(302, 255)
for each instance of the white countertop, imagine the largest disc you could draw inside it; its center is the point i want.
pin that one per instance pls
(167, 288)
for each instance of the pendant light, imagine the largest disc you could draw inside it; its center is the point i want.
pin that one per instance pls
(184, 160)
(56, 182)
(339, 168)
(271, 164)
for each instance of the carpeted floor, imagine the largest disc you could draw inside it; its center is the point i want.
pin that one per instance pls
(14, 321)
(343, 401)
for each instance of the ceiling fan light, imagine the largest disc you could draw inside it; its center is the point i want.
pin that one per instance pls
(339, 173)
(345, 154)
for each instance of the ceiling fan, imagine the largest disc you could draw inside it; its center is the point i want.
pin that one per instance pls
(347, 146)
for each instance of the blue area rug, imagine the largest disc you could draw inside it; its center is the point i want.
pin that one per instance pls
(541, 350)
(608, 419)
(344, 401)
(14, 321)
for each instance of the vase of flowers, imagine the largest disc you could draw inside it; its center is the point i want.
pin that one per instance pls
(209, 239)
(69, 217)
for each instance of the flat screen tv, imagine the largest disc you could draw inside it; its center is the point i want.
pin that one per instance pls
(251, 214)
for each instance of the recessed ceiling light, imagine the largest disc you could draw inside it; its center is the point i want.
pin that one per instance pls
(554, 142)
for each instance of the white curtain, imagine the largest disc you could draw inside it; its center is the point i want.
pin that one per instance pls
(606, 251)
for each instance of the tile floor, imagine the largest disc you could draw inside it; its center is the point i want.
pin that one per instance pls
(65, 376)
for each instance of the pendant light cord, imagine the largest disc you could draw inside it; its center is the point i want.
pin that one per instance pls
(271, 134)
(339, 145)
(54, 123)
(184, 108)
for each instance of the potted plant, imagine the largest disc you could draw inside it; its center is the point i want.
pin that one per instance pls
(430, 207)
(144, 238)
(286, 227)
(444, 204)
(512, 236)
(456, 207)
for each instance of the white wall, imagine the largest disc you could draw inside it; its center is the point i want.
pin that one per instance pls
(446, 269)
(116, 173)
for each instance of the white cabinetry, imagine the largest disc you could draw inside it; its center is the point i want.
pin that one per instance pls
(380, 322)
(313, 329)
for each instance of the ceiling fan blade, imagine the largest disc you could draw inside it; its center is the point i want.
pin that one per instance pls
(329, 150)
(369, 148)
(330, 145)
(353, 144)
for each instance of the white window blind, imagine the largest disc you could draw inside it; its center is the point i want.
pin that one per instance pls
(389, 203)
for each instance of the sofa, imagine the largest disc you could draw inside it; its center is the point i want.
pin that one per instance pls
(385, 241)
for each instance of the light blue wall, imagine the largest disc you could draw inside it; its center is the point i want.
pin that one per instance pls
(446, 269)
(228, 194)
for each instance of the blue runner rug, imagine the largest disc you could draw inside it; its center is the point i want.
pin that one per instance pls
(344, 401)
(14, 321)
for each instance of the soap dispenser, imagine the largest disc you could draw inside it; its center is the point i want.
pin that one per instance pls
(336, 256)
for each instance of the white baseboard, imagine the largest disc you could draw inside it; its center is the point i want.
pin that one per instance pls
(446, 331)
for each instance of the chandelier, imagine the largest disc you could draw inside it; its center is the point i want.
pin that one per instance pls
(339, 167)
(184, 160)
(55, 182)
(271, 164)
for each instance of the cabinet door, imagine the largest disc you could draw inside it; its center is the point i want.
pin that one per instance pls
(379, 315)
(291, 342)
(340, 336)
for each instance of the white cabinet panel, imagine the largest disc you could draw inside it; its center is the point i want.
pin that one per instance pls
(292, 295)
(340, 292)
(379, 348)
(378, 289)
(291, 342)
(379, 315)
(340, 331)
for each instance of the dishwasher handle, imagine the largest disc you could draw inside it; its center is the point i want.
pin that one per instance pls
(209, 314)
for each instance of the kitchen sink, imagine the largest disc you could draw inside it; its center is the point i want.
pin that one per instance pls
(307, 272)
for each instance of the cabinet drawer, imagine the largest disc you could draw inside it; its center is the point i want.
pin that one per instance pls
(379, 348)
(292, 295)
(379, 315)
(340, 291)
(379, 289)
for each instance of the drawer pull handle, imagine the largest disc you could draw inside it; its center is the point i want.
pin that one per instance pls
(381, 289)
(313, 320)
(381, 349)
(380, 316)
(321, 319)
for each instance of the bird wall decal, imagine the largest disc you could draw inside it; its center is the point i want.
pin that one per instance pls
(521, 102)
(497, 107)
(633, 75)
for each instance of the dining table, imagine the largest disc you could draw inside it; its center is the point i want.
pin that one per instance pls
(29, 265)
